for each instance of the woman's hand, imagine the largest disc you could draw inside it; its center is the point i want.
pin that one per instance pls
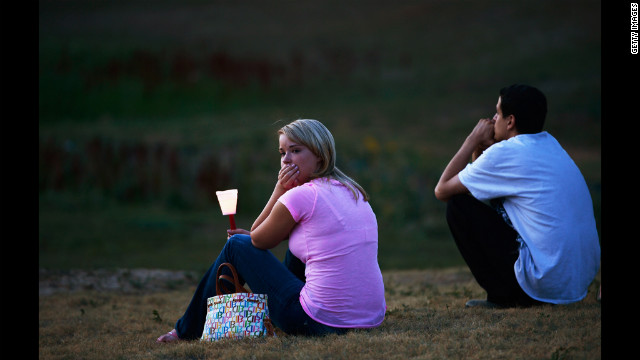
(231, 232)
(288, 176)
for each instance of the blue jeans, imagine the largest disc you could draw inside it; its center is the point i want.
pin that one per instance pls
(265, 274)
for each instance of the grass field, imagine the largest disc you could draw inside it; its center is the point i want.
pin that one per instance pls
(425, 319)
(146, 110)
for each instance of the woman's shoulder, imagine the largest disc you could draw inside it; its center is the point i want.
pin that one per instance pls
(307, 189)
(324, 181)
(315, 186)
(323, 184)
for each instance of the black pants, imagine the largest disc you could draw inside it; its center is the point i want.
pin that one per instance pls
(489, 247)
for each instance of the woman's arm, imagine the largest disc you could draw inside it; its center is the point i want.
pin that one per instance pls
(272, 226)
(275, 221)
(286, 180)
(275, 228)
(277, 192)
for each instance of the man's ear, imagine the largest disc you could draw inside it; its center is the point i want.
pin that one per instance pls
(511, 122)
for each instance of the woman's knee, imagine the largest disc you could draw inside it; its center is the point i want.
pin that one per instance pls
(239, 240)
(236, 244)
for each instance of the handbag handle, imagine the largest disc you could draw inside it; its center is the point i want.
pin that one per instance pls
(220, 288)
(239, 288)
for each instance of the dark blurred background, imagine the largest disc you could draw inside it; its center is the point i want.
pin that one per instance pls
(147, 108)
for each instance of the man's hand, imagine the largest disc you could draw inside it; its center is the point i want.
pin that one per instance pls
(482, 135)
(480, 138)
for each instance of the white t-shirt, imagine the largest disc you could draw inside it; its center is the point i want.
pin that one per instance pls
(549, 205)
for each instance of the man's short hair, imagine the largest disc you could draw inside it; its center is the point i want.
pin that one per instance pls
(527, 104)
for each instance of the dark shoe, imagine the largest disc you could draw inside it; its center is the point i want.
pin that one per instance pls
(482, 304)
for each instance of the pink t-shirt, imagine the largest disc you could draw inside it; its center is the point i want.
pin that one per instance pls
(337, 238)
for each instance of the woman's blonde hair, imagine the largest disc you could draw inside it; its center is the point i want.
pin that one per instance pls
(315, 136)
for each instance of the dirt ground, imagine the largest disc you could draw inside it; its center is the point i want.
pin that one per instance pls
(123, 280)
(153, 280)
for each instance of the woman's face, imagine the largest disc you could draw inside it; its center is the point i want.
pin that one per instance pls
(292, 153)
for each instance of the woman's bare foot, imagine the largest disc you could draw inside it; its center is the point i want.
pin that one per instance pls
(171, 336)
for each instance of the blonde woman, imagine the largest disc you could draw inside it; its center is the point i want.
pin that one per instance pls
(330, 280)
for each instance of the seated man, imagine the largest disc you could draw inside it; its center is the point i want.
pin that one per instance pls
(536, 242)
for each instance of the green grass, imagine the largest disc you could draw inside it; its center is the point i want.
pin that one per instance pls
(91, 234)
(399, 84)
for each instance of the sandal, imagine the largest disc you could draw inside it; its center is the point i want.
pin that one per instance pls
(171, 336)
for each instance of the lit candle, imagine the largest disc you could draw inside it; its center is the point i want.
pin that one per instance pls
(228, 200)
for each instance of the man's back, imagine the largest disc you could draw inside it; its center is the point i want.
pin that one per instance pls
(549, 205)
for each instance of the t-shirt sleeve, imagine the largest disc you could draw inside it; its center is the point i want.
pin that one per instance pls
(300, 201)
(491, 176)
